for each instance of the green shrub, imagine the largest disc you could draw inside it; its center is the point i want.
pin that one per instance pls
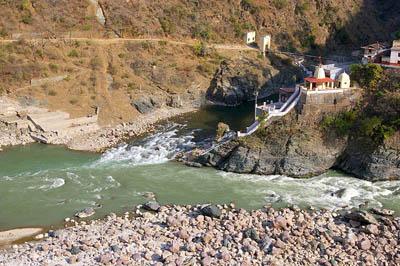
(202, 31)
(167, 25)
(53, 67)
(367, 75)
(397, 34)
(240, 28)
(200, 49)
(302, 7)
(25, 5)
(249, 6)
(27, 18)
(341, 123)
(52, 93)
(374, 127)
(206, 68)
(280, 4)
(39, 53)
(73, 53)
(86, 27)
(3, 33)
(309, 42)
(147, 45)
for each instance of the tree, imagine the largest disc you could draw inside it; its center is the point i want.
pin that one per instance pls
(367, 75)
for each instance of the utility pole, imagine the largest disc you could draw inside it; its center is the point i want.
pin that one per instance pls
(255, 105)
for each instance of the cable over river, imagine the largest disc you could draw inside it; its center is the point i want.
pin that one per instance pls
(41, 185)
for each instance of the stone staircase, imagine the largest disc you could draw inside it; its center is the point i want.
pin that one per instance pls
(44, 125)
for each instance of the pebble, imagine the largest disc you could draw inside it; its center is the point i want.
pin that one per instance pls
(178, 235)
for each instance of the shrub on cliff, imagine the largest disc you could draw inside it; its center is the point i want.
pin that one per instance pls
(367, 76)
(341, 123)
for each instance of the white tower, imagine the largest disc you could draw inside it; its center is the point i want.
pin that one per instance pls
(265, 43)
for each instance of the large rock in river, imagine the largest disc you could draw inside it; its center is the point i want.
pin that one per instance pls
(285, 147)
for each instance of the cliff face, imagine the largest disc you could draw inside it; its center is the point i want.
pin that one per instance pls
(366, 160)
(283, 147)
(296, 146)
(235, 82)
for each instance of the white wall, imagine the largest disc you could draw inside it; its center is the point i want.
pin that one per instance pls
(250, 37)
(395, 57)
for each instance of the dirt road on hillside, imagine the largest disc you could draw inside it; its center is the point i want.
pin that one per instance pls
(119, 40)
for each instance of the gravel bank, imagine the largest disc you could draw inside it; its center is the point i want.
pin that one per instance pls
(99, 140)
(111, 136)
(186, 235)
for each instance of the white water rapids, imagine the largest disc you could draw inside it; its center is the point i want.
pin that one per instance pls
(47, 183)
(158, 148)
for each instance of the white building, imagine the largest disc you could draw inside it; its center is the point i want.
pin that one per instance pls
(332, 71)
(265, 43)
(343, 81)
(394, 57)
(250, 37)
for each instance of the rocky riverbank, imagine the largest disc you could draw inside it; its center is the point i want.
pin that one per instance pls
(297, 146)
(111, 136)
(99, 140)
(219, 235)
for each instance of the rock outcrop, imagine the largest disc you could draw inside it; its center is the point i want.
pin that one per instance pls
(282, 148)
(293, 147)
(369, 161)
(236, 82)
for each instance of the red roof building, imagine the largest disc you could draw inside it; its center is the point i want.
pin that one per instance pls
(319, 81)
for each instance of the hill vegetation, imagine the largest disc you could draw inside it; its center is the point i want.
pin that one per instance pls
(294, 24)
(378, 116)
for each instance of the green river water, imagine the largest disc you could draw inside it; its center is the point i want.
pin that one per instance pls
(40, 185)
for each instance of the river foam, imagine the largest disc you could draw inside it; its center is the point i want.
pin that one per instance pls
(156, 149)
(325, 191)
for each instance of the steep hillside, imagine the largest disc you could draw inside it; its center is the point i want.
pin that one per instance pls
(294, 24)
(123, 78)
(47, 18)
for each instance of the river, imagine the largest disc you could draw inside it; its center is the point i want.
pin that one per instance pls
(40, 185)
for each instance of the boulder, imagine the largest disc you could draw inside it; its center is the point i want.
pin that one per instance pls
(382, 212)
(146, 105)
(87, 212)
(362, 217)
(211, 211)
(252, 234)
(222, 129)
(175, 101)
(151, 206)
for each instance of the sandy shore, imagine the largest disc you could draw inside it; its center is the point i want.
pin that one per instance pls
(219, 235)
(10, 236)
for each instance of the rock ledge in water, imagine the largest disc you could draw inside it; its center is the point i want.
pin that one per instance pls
(151, 206)
(87, 212)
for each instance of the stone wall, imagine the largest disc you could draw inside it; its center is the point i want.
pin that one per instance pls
(335, 101)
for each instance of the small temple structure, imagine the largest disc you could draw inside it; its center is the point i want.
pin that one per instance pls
(324, 90)
(319, 81)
